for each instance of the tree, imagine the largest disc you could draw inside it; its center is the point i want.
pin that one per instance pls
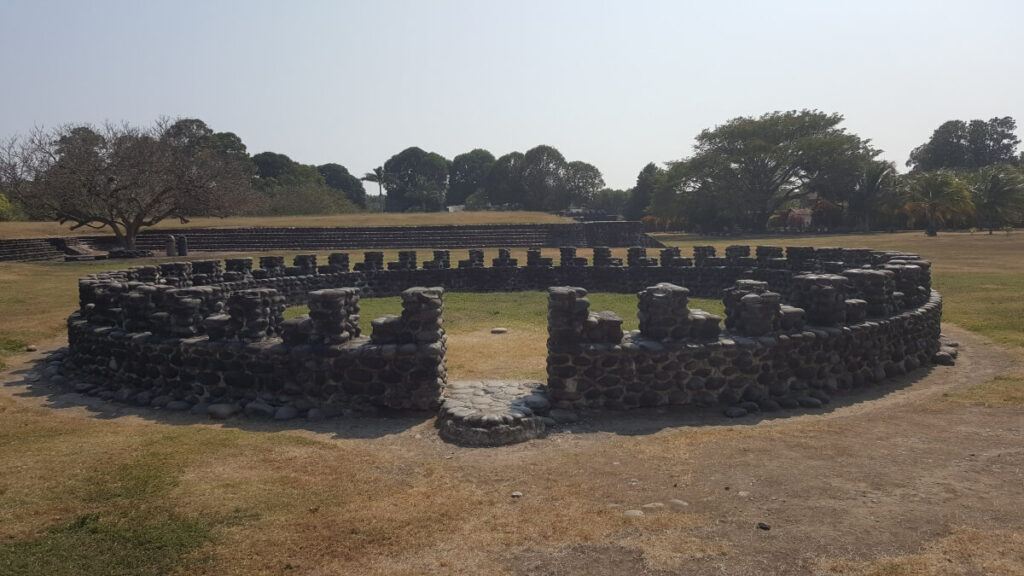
(937, 197)
(504, 184)
(759, 165)
(378, 176)
(415, 179)
(272, 164)
(338, 178)
(609, 201)
(640, 196)
(687, 196)
(959, 145)
(543, 179)
(468, 175)
(6, 209)
(122, 177)
(998, 196)
(877, 182)
(582, 182)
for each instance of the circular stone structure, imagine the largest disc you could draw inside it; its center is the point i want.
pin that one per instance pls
(801, 324)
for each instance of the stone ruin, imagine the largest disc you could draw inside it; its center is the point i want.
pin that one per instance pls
(800, 325)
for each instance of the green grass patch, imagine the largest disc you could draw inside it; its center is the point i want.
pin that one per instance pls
(466, 312)
(1000, 391)
(138, 544)
(987, 303)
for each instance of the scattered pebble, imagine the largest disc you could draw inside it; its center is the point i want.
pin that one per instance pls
(633, 513)
(763, 526)
(31, 348)
(653, 506)
(499, 330)
(517, 494)
(743, 493)
(679, 503)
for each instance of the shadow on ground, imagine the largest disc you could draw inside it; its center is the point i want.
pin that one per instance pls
(31, 377)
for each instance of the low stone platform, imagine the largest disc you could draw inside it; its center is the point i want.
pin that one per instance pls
(493, 412)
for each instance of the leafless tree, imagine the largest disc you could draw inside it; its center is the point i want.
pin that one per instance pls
(124, 177)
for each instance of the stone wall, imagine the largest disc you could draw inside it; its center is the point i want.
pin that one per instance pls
(768, 359)
(703, 275)
(211, 336)
(229, 351)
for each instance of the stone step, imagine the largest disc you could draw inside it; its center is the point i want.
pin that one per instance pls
(493, 412)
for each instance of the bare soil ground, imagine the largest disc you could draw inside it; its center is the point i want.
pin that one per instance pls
(918, 476)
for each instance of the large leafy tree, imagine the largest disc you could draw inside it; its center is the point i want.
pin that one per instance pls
(416, 180)
(936, 198)
(998, 196)
(504, 183)
(640, 196)
(755, 166)
(337, 177)
(688, 196)
(125, 178)
(960, 145)
(610, 201)
(543, 179)
(468, 175)
(273, 165)
(582, 183)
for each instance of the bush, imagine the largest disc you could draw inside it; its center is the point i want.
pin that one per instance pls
(7, 210)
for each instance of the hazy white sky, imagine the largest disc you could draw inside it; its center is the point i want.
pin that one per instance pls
(617, 84)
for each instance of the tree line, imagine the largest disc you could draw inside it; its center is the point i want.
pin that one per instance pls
(778, 171)
(798, 169)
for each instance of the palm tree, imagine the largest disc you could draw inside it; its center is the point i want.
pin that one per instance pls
(379, 176)
(998, 193)
(937, 197)
(877, 182)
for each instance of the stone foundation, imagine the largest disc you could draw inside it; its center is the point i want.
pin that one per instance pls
(208, 337)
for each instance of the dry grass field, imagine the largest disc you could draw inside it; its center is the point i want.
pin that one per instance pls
(41, 229)
(921, 476)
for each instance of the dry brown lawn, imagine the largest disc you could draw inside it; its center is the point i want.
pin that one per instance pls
(41, 229)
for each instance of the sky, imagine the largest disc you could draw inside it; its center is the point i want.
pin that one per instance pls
(616, 84)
